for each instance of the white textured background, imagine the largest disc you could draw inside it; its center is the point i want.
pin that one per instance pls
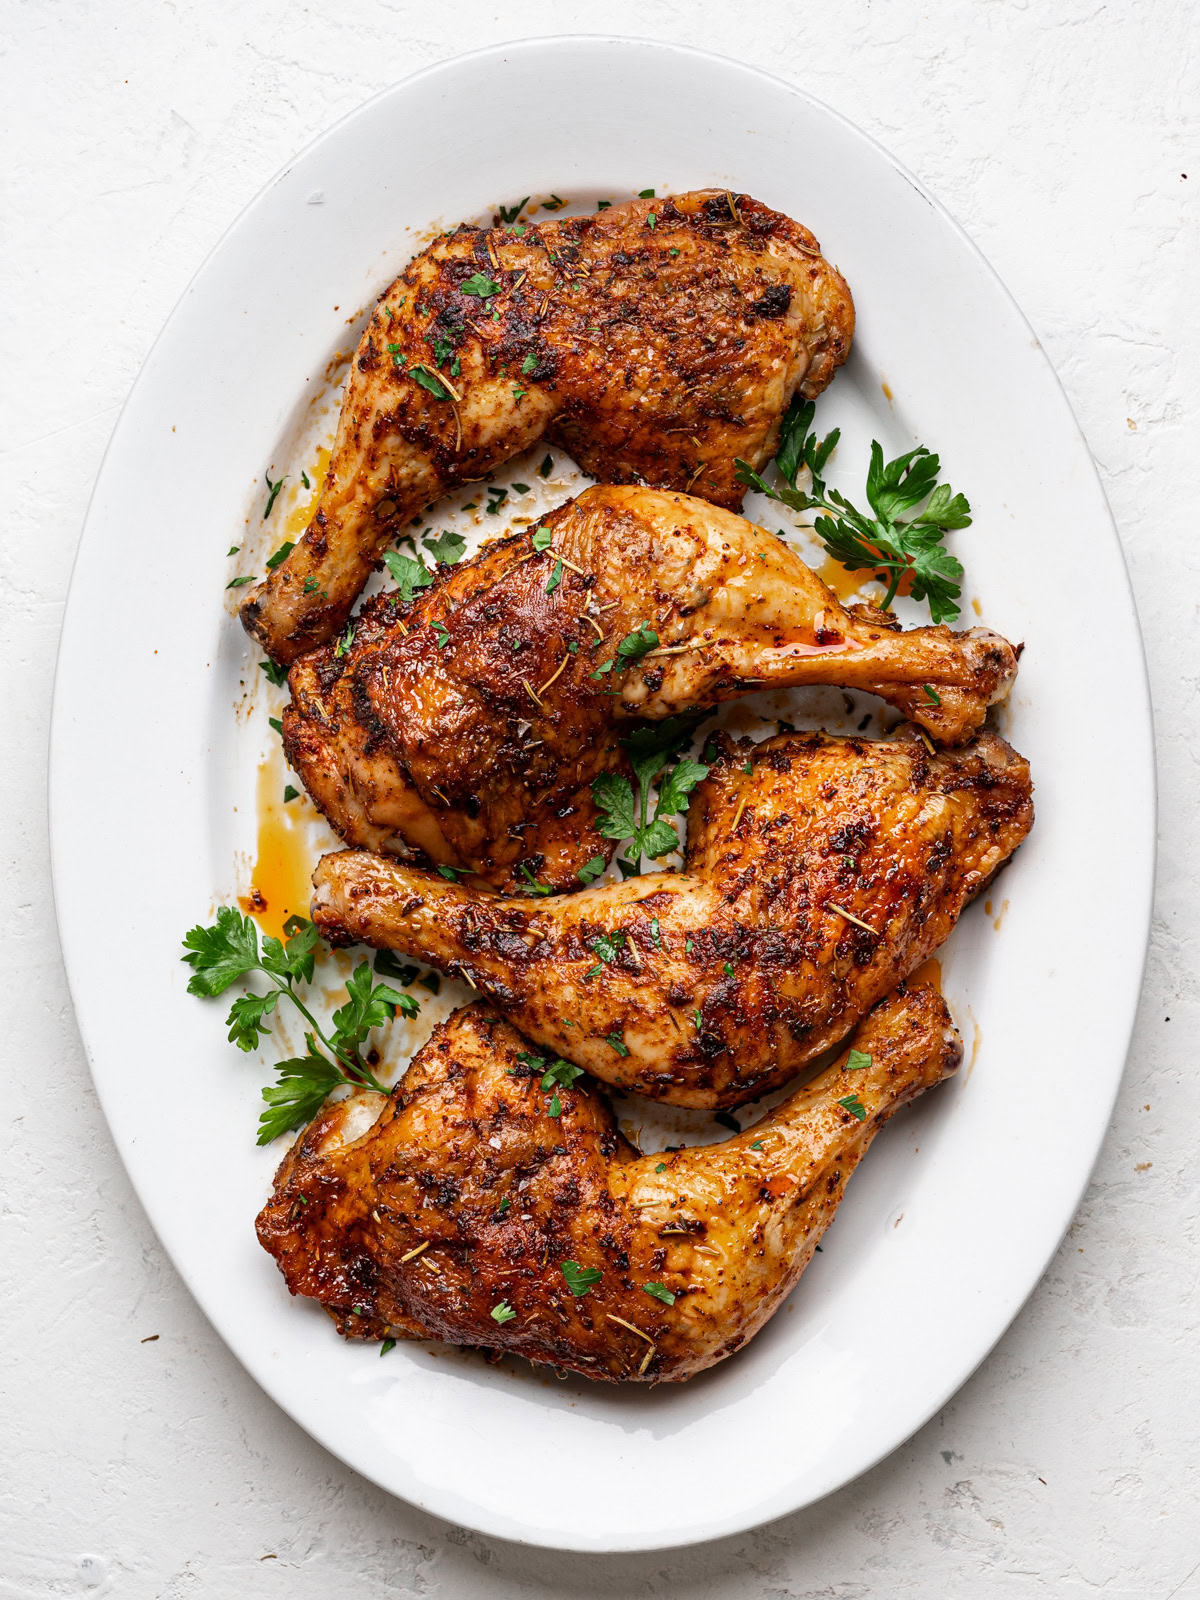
(1059, 132)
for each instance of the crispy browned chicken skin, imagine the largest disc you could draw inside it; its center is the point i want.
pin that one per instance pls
(448, 1210)
(819, 872)
(656, 341)
(471, 723)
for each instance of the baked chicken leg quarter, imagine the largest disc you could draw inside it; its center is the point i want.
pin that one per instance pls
(471, 722)
(463, 1208)
(819, 872)
(656, 341)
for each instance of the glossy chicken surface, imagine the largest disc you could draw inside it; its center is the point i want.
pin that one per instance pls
(449, 1209)
(470, 723)
(819, 872)
(656, 341)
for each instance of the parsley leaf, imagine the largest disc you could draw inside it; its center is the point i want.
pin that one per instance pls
(274, 494)
(854, 1105)
(613, 797)
(480, 285)
(895, 547)
(555, 578)
(561, 1072)
(857, 1060)
(409, 574)
(580, 1279)
(369, 1005)
(448, 548)
(682, 779)
(304, 1085)
(542, 538)
(240, 583)
(221, 954)
(431, 381)
(660, 1292)
(281, 555)
(502, 1312)
(511, 213)
(529, 364)
(275, 673)
(591, 869)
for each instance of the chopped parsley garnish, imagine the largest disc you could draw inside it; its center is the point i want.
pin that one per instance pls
(448, 547)
(931, 694)
(660, 1292)
(632, 648)
(388, 1344)
(511, 213)
(496, 498)
(553, 204)
(345, 640)
(239, 583)
(519, 393)
(276, 724)
(542, 538)
(311, 585)
(618, 1044)
(645, 194)
(290, 793)
(481, 286)
(229, 949)
(854, 1106)
(410, 575)
(895, 548)
(275, 673)
(452, 873)
(555, 578)
(561, 1072)
(554, 1109)
(661, 1167)
(307, 485)
(531, 883)
(547, 467)
(591, 869)
(655, 933)
(757, 1144)
(652, 220)
(504, 1205)
(857, 1060)
(529, 364)
(580, 1279)
(274, 494)
(281, 555)
(430, 380)
(520, 488)
(502, 1313)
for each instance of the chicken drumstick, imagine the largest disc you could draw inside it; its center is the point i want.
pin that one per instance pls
(476, 1205)
(470, 723)
(819, 872)
(656, 341)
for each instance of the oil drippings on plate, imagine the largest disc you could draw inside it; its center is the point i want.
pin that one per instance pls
(281, 882)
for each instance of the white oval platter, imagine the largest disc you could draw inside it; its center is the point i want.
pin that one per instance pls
(160, 731)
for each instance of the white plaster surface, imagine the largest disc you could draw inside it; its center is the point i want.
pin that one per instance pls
(1059, 133)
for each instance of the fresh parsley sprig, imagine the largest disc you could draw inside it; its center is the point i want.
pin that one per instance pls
(229, 949)
(650, 752)
(893, 546)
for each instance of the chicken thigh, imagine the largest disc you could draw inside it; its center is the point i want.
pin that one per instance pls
(819, 872)
(490, 1201)
(656, 341)
(470, 722)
